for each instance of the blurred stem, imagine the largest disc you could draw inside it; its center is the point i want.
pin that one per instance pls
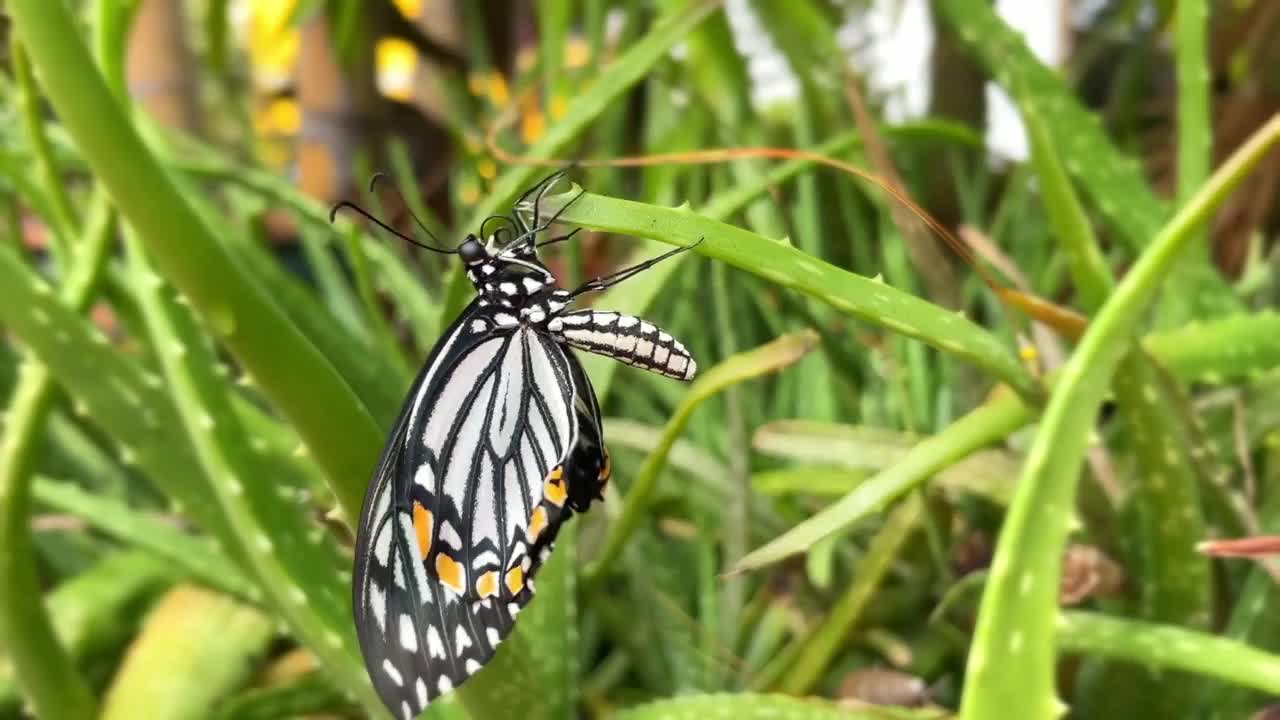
(1195, 135)
(826, 639)
(295, 376)
(737, 524)
(1022, 595)
(1066, 213)
(66, 225)
(111, 19)
(43, 667)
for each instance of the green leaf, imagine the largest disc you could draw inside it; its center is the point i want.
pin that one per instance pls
(308, 695)
(42, 666)
(125, 401)
(1225, 350)
(785, 266)
(96, 611)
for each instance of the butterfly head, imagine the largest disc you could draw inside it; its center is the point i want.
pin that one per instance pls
(472, 251)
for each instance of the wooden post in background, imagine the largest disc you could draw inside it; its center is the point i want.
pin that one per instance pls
(161, 68)
(337, 106)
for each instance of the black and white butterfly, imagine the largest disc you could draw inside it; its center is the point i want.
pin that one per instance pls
(498, 443)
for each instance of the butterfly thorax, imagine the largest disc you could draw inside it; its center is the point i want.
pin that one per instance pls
(517, 289)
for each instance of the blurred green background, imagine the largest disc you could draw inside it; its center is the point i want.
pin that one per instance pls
(890, 494)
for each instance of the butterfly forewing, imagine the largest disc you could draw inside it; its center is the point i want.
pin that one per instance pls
(465, 504)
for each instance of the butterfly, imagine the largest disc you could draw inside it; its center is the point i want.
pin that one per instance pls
(498, 443)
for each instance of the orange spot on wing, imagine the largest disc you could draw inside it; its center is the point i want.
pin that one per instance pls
(554, 489)
(537, 523)
(423, 524)
(487, 584)
(607, 469)
(449, 571)
(515, 580)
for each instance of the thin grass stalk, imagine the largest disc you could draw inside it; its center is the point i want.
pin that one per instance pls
(739, 368)
(63, 217)
(825, 640)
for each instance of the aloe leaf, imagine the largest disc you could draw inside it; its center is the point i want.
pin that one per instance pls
(1226, 349)
(194, 556)
(1115, 182)
(787, 267)
(298, 379)
(635, 295)
(222, 639)
(984, 473)
(1089, 269)
(125, 401)
(1220, 351)
(1195, 135)
(739, 368)
(295, 562)
(755, 706)
(1169, 647)
(819, 480)
(1012, 658)
(42, 666)
(1172, 579)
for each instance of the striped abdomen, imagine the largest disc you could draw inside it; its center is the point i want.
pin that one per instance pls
(626, 338)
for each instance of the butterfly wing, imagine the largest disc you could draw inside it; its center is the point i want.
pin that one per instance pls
(464, 505)
(588, 467)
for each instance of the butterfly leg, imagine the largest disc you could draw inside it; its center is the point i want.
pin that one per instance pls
(605, 282)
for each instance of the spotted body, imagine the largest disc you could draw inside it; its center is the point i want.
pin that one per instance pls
(498, 443)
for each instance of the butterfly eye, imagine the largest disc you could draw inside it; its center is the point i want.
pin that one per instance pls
(472, 251)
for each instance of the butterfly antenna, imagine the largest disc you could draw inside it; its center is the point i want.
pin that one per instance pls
(333, 214)
(373, 182)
